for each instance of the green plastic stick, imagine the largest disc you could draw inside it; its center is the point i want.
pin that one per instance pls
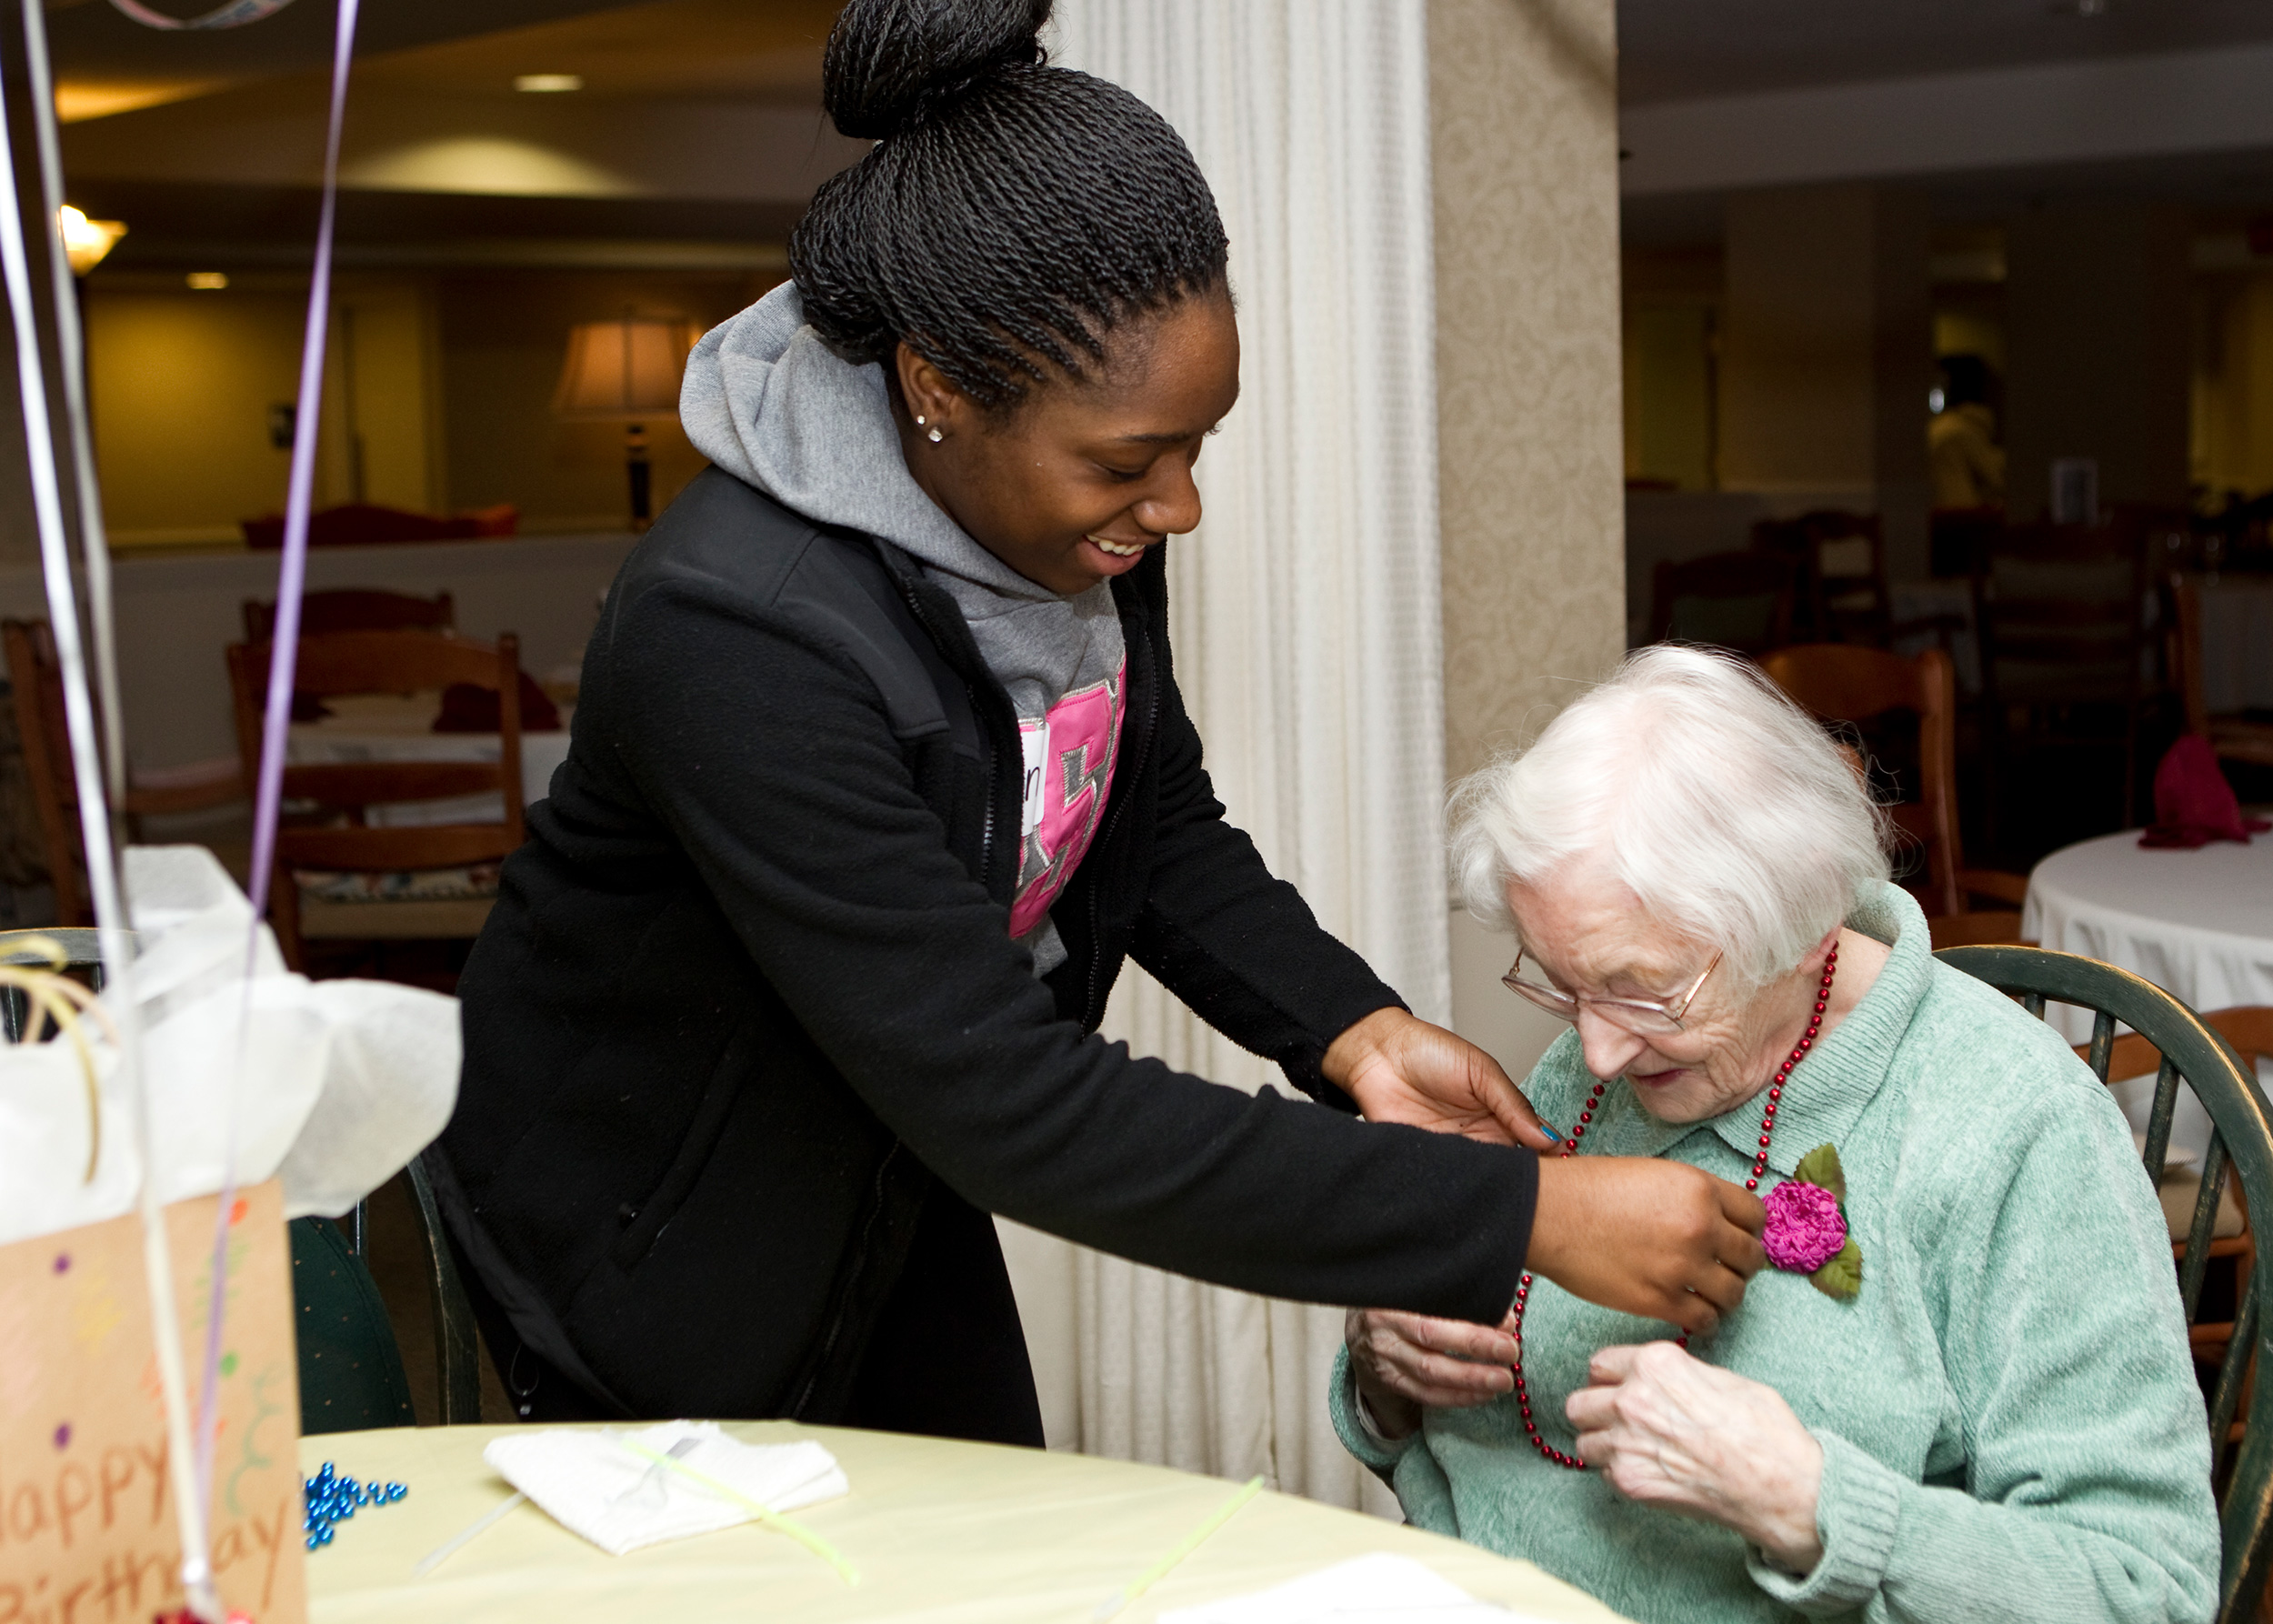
(758, 1509)
(1190, 1542)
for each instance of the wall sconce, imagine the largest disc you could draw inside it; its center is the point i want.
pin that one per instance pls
(625, 371)
(85, 241)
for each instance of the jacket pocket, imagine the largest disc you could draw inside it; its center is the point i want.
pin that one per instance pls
(645, 1222)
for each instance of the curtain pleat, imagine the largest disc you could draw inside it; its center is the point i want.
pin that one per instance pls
(1307, 640)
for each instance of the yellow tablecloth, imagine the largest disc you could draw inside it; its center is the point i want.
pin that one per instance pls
(939, 1531)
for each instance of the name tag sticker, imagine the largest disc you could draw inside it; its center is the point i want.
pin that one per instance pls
(1034, 741)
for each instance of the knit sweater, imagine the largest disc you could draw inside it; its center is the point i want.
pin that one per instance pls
(2010, 1423)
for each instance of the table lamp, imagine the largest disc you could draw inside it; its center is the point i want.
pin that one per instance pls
(625, 371)
(85, 241)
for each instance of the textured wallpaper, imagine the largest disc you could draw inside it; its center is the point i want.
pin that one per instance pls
(1524, 116)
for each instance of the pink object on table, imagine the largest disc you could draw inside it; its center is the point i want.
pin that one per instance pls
(2194, 805)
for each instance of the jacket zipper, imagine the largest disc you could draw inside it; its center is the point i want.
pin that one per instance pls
(860, 1250)
(979, 708)
(1091, 1013)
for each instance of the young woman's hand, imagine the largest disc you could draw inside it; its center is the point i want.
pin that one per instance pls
(1672, 1431)
(1408, 1362)
(1657, 1238)
(1400, 1068)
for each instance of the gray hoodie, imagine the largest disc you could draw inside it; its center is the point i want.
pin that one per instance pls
(767, 402)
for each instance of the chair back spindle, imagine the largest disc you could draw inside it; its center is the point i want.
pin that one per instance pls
(2189, 1049)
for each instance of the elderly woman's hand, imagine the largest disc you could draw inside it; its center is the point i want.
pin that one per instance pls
(1408, 1362)
(1670, 1430)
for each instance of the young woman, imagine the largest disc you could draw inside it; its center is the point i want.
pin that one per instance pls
(880, 770)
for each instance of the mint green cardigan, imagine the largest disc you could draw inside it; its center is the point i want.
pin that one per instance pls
(2011, 1424)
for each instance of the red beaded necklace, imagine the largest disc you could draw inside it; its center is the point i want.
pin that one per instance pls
(1759, 1166)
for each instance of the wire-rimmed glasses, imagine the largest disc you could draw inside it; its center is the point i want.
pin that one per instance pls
(1643, 1017)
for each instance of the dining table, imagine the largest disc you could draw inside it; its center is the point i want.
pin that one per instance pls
(935, 1530)
(2197, 923)
(380, 727)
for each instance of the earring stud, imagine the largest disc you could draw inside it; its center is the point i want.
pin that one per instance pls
(936, 437)
(919, 420)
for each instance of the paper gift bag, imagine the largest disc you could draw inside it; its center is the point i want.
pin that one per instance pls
(88, 1528)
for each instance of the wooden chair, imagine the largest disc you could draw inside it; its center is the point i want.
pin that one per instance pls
(2235, 738)
(1743, 601)
(1843, 592)
(352, 1375)
(384, 662)
(2060, 611)
(1841, 683)
(2248, 1031)
(2240, 1149)
(35, 687)
(353, 609)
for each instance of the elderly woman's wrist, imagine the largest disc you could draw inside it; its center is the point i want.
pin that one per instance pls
(1389, 1415)
(1785, 1527)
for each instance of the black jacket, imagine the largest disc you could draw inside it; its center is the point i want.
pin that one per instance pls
(749, 988)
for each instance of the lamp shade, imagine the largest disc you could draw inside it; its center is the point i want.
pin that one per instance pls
(625, 370)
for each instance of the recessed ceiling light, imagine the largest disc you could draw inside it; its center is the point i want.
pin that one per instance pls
(209, 281)
(548, 84)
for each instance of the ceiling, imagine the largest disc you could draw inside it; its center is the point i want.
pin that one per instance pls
(1677, 50)
(758, 49)
(201, 173)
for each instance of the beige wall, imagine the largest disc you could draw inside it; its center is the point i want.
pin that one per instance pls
(2233, 384)
(437, 396)
(1524, 140)
(180, 385)
(1827, 351)
(2097, 300)
(504, 339)
(182, 382)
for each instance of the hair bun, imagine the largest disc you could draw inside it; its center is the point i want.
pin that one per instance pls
(889, 61)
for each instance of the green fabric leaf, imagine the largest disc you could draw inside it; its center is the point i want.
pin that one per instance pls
(1843, 1276)
(1821, 1166)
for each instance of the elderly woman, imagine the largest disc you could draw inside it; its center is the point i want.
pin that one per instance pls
(1962, 1391)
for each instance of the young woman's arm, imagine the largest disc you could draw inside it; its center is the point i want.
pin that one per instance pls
(770, 759)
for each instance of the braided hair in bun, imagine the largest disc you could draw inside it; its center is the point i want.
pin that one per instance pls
(1011, 215)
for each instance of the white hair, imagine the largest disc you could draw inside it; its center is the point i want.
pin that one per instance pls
(1724, 809)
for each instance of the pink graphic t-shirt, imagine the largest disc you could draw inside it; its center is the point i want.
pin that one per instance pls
(1069, 759)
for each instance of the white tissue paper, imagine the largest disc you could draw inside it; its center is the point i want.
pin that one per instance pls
(590, 1484)
(1378, 1588)
(336, 1085)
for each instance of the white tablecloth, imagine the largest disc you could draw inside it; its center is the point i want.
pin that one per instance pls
(2237, 643)
(387, 727)
(2198, 924)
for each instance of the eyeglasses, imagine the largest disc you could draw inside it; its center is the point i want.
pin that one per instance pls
(1641, 1017)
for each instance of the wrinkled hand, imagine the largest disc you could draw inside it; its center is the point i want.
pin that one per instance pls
(1661, 1239)
(1406, 1362)
(1672, 1431)
(1400, 1068)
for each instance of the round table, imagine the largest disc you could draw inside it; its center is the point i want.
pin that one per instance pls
(938, 1530)
(2197, 924)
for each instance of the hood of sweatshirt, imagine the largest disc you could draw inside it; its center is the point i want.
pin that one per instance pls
(767, 402)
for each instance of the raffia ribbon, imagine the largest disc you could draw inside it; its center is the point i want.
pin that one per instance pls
(53, 996)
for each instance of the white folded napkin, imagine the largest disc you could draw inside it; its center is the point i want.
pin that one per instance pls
(620, 1500)
(1378, 1588)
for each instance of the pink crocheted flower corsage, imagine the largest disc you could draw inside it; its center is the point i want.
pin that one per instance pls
(1806, 1232)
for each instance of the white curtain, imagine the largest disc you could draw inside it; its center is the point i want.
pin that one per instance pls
(1309, 647)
